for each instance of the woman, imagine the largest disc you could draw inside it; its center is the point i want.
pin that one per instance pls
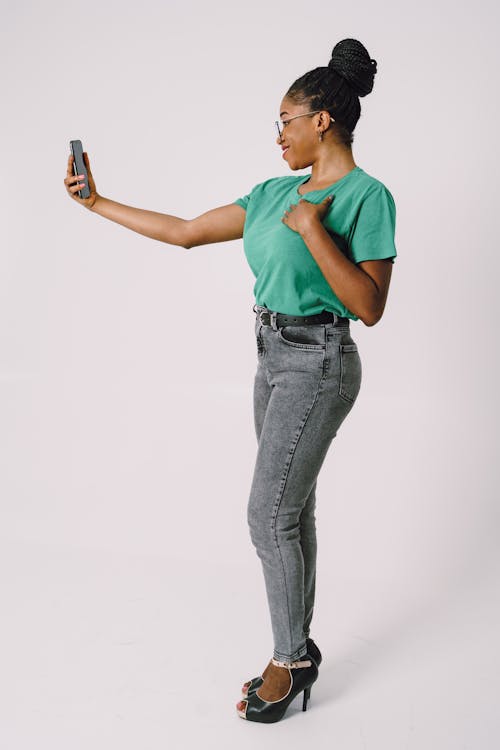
(321, 247)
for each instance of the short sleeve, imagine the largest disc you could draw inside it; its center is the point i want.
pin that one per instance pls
(246, 199)
(243, 202)
(374, 230)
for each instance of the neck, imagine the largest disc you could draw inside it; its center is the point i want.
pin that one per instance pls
(331, 165)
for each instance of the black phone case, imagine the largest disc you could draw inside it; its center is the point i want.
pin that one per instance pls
(79, 167)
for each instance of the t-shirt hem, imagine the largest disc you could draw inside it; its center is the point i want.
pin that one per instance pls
(385, 257)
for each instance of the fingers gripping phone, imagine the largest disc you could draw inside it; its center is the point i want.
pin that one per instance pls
(79, 167)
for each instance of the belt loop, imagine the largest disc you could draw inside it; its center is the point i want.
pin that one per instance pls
(273, 316)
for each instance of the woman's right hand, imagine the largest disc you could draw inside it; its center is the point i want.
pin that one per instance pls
(73, 184)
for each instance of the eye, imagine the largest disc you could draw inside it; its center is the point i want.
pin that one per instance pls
(284, 123)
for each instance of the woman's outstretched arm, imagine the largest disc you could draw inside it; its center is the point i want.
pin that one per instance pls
(217, 225)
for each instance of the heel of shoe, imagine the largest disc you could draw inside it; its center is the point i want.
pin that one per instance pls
(314, 651)
(307, 695)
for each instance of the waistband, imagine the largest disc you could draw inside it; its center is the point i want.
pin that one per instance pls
(276, 319)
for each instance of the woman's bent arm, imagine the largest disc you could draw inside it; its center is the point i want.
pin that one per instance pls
(218, 225)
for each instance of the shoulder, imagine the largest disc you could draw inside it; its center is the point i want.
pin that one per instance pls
(370, 187)
(277, 184)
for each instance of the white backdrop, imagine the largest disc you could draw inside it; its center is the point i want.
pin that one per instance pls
(126, 373)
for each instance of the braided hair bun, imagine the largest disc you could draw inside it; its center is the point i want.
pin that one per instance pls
(337, 87)
(351, 61)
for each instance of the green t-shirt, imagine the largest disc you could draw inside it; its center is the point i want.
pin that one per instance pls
(361, 221)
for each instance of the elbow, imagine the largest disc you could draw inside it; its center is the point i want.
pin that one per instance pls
(372, 316)
(186, 242)
(373, 308)
(185, 238)
(184, 245)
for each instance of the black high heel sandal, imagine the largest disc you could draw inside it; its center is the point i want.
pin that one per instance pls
(303, 674)
(313, 652)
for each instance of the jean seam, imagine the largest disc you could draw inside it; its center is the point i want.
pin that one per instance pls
(286, 657)
(282, 490)
(344, 350)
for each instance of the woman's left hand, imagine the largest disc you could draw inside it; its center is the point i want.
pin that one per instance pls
(300, 216)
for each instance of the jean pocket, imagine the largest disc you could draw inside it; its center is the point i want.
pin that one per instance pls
(350, 372)
(303, 337)
(259, 339)
(260, 344)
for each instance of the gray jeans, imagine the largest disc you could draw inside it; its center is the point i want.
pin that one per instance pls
(307, 380)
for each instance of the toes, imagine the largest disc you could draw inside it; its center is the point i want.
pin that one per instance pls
(241, 707)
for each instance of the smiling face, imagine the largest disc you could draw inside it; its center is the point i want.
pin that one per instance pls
(300, 135)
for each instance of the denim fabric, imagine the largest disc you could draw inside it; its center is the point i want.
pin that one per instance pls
(307, 380)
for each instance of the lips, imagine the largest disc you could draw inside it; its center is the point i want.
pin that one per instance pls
(285, 149)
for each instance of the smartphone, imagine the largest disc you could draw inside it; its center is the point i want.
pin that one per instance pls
(79, 167)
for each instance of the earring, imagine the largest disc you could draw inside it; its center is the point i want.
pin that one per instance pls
(320, 136)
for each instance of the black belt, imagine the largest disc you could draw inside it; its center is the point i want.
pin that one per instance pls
(265, 317)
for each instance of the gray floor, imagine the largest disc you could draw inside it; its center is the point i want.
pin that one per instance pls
(102, 651)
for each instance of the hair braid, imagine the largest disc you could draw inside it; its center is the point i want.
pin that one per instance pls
(337, 87)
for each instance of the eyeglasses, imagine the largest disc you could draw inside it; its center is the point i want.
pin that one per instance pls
(285, 122)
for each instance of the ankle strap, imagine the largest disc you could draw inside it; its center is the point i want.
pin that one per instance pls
(291, 664)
